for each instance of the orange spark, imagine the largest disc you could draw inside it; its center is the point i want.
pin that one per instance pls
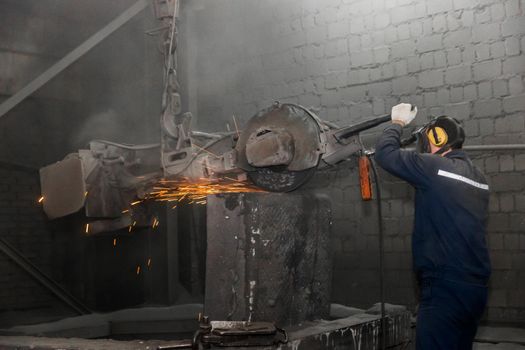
(87, 228)
(155, 223)
(149, 262)
(136, 202)
(41, 199)
(138, 269)
(114, 242)
(196, 191)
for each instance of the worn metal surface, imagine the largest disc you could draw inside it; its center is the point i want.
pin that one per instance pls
(63, 187)
(278, 180)
(105, 179)
(117, 171)
(299, 124)
(269, 148)
(268, 257)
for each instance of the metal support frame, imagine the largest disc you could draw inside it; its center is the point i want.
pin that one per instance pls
(71, 57)
(41, 277)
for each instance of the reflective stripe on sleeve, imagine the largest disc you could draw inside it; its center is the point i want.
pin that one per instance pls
(463, 179)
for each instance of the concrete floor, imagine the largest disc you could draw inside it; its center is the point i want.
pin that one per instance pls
(500, 346)
(500, 338)
(26, 343)
(167, 319)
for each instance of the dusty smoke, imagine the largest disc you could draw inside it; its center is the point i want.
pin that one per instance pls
(102, 125)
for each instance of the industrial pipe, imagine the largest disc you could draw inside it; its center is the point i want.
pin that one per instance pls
(508, 147)
(478, 148)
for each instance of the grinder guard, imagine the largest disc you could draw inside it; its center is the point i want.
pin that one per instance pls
(304, 147)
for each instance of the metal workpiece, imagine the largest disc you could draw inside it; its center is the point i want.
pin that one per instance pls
(103, 179)
(291, 127)
(278, 150)
(63, 185)
(268, 257)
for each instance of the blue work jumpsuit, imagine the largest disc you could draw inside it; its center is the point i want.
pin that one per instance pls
(449, 249)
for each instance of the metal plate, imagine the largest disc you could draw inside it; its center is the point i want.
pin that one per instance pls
(242, 328)
(63, 187)
(297, 122)
(269, 148)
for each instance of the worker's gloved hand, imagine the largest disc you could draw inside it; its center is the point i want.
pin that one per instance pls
(403, 113)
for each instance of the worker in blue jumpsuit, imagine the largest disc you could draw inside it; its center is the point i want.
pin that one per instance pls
(449, 249)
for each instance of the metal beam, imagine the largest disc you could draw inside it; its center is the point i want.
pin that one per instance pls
(44, 279)
(71, 57)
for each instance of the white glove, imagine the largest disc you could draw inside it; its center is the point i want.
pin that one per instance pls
(403, 113)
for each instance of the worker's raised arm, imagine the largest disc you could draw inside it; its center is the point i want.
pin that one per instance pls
(407, 165)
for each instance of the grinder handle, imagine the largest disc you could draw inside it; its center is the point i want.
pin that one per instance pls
(409, 140)
(352, 130)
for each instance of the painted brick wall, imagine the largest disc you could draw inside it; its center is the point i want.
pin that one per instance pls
(353, 59)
